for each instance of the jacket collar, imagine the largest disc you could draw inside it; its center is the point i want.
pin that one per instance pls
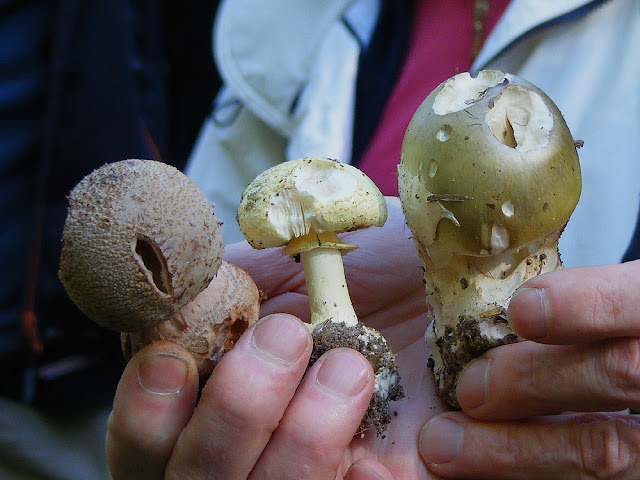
(251, 36)
(265, 50)
(523, 17)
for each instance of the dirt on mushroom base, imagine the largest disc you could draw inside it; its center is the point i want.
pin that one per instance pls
(329, 335)
(461, 343)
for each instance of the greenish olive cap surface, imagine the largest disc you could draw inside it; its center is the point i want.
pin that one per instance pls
(488, 165)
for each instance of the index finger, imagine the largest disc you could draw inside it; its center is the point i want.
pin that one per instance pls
(579, 305)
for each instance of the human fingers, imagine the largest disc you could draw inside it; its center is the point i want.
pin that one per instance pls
(586, 446)
(293, 303)
(321, 420)
(526, 379)
(243, 401)
(154, 401)
(579, 305)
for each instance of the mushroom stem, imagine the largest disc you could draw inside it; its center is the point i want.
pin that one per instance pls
(468, 298)
(327, 287)
(321, 257)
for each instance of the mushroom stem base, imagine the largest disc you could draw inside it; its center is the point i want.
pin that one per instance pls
(329, 335)
(468, 303)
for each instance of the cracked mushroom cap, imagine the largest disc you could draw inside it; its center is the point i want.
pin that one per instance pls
(488, 165)
(140, 241)
(307, 195)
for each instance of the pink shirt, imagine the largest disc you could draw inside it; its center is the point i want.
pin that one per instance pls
(439, 47)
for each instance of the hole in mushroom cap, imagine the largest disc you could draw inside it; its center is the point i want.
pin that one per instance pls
(506, 135)
(153, 263)
(325, 182)
(519, 118)
(444, 133)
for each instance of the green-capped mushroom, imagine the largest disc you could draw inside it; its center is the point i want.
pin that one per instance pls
(488, 178)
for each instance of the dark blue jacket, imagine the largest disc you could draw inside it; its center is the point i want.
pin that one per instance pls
(82, 84)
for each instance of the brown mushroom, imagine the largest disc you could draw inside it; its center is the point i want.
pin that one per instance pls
(140, 244)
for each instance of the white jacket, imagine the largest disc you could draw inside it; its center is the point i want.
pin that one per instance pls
(290, 66)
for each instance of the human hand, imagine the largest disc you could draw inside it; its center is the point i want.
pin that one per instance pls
(252, 420)
(584, 357)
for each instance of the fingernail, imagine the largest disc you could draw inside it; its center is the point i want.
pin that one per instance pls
(281, 338)
(358, 472)
(343, 372)
(471, 391)
(528, 313)
(440, 440)
(163, 374)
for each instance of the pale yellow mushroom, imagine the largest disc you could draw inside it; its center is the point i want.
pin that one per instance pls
(302, 205)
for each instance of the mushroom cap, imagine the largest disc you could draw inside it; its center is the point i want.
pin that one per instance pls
(488, 165)
(297, 197)
(140, 241)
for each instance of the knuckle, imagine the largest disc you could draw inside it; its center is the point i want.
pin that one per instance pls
(240, 412)
(607, 447)
(621, 366)
(610, 300)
